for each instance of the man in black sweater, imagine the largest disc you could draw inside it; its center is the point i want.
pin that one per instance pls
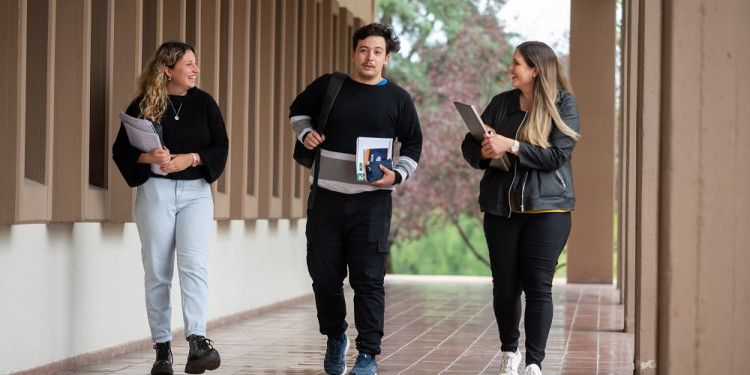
(348, 224)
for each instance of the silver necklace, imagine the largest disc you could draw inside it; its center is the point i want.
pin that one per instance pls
(177, 112)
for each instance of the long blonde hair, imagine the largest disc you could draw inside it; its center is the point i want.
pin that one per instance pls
(549, 80)
(152, 83)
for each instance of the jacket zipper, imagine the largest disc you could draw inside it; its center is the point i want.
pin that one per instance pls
(523, 189)
(515, 170)
(510, 203)
(561, 179)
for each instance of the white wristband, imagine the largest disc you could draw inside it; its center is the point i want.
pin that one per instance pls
(195, 160)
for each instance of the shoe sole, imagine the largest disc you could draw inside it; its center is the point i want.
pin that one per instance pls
(346, 350)
(209, 362)
(162, 370)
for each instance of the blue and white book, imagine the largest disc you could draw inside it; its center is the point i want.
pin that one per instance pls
(370, 143)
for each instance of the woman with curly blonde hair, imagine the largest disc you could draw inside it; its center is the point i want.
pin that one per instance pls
(174, 210)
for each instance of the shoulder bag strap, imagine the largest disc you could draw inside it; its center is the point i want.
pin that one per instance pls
(334, 86)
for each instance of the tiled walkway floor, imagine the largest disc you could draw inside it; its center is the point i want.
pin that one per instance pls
(433, 326)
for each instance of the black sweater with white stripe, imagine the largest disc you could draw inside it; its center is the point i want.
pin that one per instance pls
(360, 110)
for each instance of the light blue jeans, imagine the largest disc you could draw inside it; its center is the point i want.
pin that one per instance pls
(175, 217)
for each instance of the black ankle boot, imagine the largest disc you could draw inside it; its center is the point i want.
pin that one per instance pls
(163, 363)
(202, 355)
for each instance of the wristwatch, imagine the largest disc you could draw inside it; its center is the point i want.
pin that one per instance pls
(195, 160)
(514, 148)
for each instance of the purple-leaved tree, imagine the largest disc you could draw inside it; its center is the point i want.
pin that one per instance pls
(459, 51)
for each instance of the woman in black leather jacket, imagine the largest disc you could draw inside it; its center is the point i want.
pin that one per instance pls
(527, 208)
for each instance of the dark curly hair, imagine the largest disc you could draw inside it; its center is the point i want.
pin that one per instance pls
(392, 43)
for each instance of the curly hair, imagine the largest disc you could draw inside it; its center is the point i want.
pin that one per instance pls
(152, 83)
(392, 43)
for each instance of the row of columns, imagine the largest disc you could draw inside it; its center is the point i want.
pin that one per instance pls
(71, 66)
(679, 189)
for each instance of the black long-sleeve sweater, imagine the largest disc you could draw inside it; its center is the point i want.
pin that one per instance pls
(200, 129)
(360, 110)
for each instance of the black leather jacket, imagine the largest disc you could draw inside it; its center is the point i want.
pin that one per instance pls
(539, 178)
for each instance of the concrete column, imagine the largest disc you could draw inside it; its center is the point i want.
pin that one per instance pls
(592, 72)
(71, 133)
(647, 184)
(173, 20)
(308, 71)
(126, 62)
(238, 103)
(628, 159)
(213, 56)
(704, 298)
(11, 70)
(269, 200)
(223, 33)
(292, 205)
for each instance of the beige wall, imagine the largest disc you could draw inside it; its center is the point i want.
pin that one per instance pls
(685, 121)
(71, 68)
(704, 283)
(366, 10)
(80, 286)
(682, 202)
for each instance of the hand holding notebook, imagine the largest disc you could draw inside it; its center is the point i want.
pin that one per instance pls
(142, 135)
(371, 150)
(374, 158)
(478, 129)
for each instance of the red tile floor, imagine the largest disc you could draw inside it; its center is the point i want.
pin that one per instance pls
(434, 325)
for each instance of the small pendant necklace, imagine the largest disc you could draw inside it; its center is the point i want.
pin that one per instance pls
(177, 112)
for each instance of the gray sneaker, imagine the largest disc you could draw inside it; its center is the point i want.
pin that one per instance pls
(365, 365)
(334, 362)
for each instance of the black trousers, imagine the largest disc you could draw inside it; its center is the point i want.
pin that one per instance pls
(349, 231)
(523, 255)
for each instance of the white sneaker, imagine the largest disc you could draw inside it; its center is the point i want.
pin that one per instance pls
(532, 369)
(510, 362)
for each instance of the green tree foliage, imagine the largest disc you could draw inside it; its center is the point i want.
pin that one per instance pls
(457, 50)
(441, 251)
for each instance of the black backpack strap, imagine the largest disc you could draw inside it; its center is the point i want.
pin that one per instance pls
(334, 86)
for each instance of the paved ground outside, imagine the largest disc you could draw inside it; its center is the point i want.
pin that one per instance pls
(434, 325)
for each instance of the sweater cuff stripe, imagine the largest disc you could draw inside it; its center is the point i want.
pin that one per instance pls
(301, 124)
